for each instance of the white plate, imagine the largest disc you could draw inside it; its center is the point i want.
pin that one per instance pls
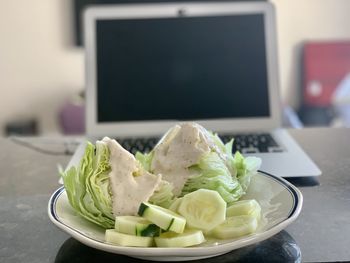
(280, 201)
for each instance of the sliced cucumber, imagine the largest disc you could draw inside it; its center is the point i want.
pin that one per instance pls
(186, 239)
(236, 226)
(203, 209)
(135, 225)
(151, 231)
(164, 218)
(244, 207)
(112, 236)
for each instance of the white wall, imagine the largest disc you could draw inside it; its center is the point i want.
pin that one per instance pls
(306, 20)
(40, 68)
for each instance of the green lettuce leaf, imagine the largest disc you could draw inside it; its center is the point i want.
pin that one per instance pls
(226, 151)
(145, 159)
(223, 172)
(218, 142)
(241, 167)
(99, 184)
(245, 167)
(87, 186)
(163, 196)
(212, 173)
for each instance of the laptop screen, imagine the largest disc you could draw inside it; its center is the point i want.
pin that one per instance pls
(184, 68)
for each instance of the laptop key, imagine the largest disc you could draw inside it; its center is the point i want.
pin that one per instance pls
(275, 149)
(250, 150)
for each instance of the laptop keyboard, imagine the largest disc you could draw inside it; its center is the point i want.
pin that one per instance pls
(134, 145)
(245, 143)
(253, 143)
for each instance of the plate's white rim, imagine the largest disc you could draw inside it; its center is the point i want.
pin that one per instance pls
(184, 252)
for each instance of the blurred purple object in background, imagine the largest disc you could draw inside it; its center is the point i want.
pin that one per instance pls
(72, 118)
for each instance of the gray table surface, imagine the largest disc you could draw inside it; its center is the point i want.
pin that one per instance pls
(28, 177)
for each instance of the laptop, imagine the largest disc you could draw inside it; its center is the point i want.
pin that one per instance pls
(150, 66)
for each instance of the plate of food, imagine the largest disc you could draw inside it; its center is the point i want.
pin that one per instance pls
(188, 198)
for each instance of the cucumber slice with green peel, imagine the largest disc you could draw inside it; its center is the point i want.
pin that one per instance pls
(186, 239)
(244, 207)
(175, 205)
(162, 217)
(236, 226)
(151, 231)
(135, 225)
(114, 237)
(203, 209)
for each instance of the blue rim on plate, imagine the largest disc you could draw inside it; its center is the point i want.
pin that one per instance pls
(190, 253)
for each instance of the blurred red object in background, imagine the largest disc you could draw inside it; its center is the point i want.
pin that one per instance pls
(325, 64)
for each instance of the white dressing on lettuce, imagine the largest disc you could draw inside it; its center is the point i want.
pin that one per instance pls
(130, 183)
(181, 148)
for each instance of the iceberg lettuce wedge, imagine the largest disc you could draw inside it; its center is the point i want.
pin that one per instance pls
(87, 186)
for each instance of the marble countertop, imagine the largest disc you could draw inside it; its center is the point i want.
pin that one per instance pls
(29, 176)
